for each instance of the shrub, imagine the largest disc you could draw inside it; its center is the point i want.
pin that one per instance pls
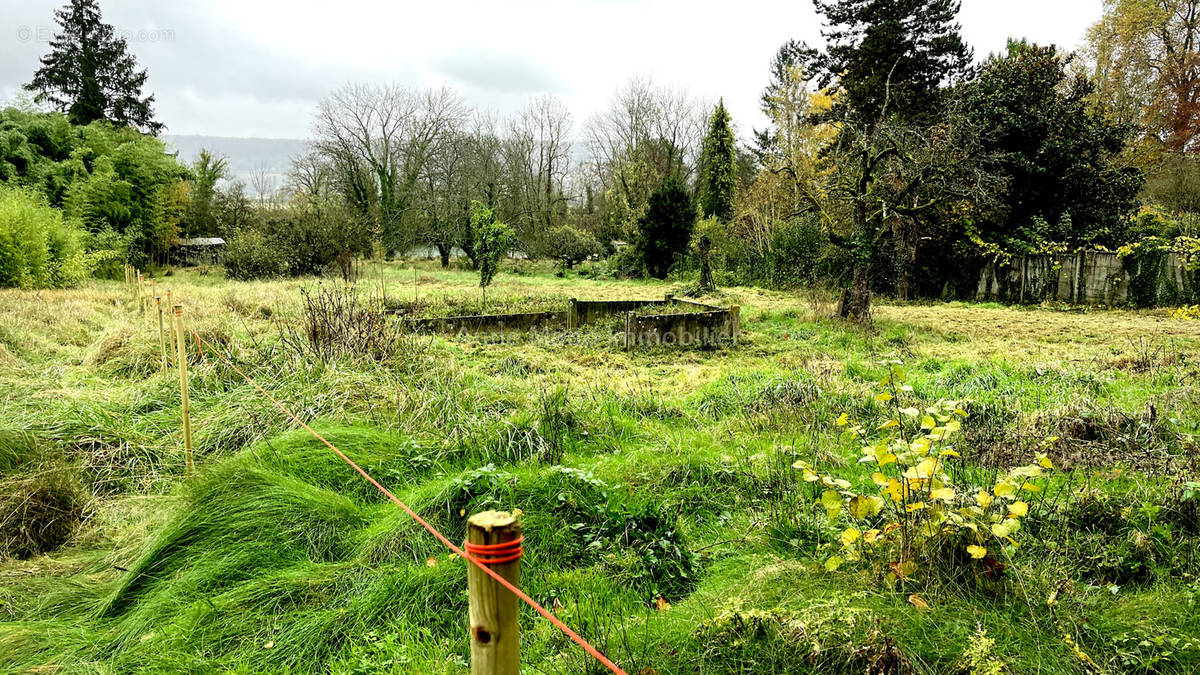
(571, 246)
(295, 241)
(254, 255)
(928, 521)
(37, 248)
(338, 323)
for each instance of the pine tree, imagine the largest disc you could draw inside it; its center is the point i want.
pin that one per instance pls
(887, 57)
(718, 167)
(90, 75)
(666, 227)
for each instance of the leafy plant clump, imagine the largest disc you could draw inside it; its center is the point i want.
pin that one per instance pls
(929, 520)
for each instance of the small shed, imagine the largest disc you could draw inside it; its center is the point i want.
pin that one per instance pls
(200, 251)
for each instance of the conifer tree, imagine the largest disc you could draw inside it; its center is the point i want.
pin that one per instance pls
(887, 58)
(718, 167)
(89, 74)
(666, 228)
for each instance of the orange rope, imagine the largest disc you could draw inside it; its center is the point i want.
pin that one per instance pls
(481, 564)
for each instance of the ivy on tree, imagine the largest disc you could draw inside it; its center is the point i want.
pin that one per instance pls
(89, 74)
(492, 240)
(666, 228)
(718, 167)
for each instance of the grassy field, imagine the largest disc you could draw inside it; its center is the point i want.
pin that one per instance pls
(665, 515)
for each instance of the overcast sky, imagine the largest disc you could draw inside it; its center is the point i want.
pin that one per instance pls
(257, 67)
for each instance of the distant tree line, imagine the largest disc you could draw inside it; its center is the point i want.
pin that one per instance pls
(893, 162)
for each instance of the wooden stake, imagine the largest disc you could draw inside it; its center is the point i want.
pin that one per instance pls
(170, 321)
(162, 335)
(630, 327)
(141, 294)
(181, 357)
(495, 631)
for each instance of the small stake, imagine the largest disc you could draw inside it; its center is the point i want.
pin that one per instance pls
(141, 294)
(495, 631)
(162, 335)
(170, 322)
(630, 327)
(181, 357)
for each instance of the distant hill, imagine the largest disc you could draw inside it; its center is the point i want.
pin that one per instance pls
(245, 155)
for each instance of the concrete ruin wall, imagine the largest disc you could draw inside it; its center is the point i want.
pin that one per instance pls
(491, 323)
(583, 312)
(704, 328)
(693, 329)
(1089, 278)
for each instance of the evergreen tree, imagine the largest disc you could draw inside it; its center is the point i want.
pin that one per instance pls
(718, 167)
(886, 57)
(1061, 156)
(90, 75)
(666, 228)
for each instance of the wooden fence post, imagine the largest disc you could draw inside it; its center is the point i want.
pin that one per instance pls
(181, 357)
(170, 321)
(630, 327)
(735, 314)
(495, 630)
(572, 314)
(141, 294)
(669, 298)
(162, 335)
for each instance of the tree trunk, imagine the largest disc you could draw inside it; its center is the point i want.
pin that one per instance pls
(444, 254)
(856, 300)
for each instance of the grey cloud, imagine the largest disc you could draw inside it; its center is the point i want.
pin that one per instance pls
(500, 72)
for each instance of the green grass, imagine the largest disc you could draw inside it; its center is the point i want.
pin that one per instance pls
(657, 473)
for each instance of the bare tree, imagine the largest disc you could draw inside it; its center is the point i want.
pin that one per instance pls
(386, 134)
(311, 175)
(262, 181)
(537, 160)
(646, 134)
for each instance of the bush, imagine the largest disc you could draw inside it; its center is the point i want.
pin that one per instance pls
(627, 263)
(37, 248)
(295, 241)
(571, 246)
(252, 254)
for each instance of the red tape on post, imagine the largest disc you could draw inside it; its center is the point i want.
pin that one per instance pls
(495, 554)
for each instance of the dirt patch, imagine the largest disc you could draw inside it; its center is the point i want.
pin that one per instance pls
(1094, 438)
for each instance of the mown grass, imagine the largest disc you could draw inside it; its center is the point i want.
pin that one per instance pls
(654, 474)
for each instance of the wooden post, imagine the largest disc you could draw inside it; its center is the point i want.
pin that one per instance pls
(495, 631)
(170, 321)
(572, 314)
(735, 315)
(630, 328)
(181, 357)
(141, 294)
(669, 297)
(162, 335)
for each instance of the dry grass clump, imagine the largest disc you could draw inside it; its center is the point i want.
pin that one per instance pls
(112, 345)
(40, 510)
(1094, 437)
